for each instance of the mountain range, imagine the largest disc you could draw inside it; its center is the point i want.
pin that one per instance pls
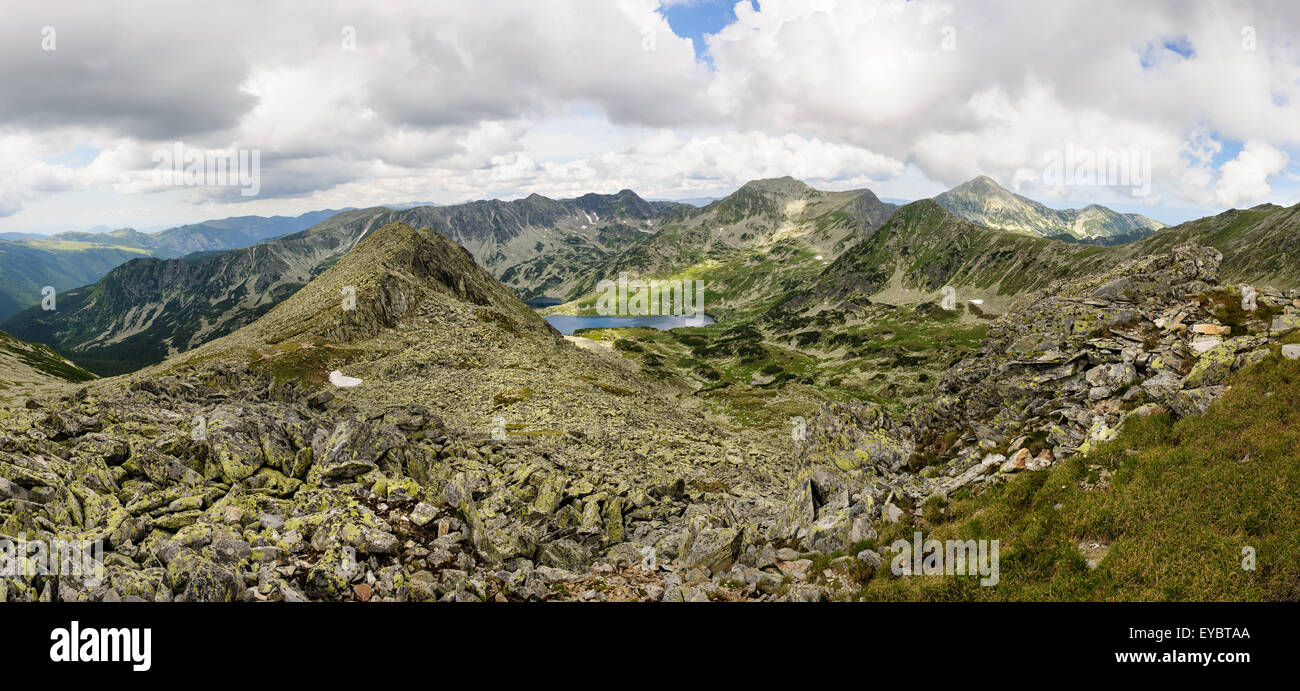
(748, 245)
(144, 310)
(73, 259)
(775, 247)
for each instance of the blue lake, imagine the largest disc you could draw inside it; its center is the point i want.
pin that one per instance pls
(566, 324)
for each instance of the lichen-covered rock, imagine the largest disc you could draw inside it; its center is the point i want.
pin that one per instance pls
(564, 554)
(1195, 401)
(715, 549)
(233, 440)
(847, 445)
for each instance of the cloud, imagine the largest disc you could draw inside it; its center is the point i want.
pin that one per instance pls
(962, 89)
(494, 98)
(1244, 179)
(666, 164)
(142, 73)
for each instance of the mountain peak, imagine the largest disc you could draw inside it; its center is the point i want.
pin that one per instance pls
(391, 273)
(782, 185)
(622, 203)
(982, 184)
(982, 200)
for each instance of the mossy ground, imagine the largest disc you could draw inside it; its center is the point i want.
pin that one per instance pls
(311, 364)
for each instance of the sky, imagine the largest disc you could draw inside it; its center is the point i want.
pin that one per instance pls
(1171, 109)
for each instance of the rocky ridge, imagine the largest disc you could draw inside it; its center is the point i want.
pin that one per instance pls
(1060, 373)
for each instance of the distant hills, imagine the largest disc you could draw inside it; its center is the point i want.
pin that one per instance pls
(67, 260)
(924, 247)
(693, 201)
(985, 202)
(749, 244)
(27, 267)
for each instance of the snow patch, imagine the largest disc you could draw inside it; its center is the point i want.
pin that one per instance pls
(337, 378)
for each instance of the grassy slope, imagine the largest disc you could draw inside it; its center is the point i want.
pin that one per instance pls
(26, 368)
(26, 268)
(1183, 500)
(1259, 244)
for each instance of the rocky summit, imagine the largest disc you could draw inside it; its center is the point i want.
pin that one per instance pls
(404, 429)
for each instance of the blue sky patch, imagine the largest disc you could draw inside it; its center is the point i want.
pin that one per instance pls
(1229, 151)
(697, 18)
(1167, 50)
(79, 157)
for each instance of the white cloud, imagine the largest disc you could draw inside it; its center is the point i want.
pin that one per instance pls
(448, 101)
(1021, 79)
(666, 164)
(1244, 179)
